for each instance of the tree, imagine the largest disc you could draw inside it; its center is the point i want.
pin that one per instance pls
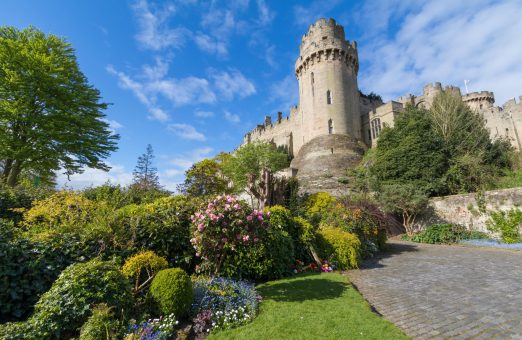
(50, 116)
(145, 174)
(251, 168)
(410, 152)
(205, 178)
(406, 199)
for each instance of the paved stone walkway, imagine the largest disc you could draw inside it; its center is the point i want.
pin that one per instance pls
(440, 292)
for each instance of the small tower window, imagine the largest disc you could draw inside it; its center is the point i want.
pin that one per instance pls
(330, 126)
(312, 82)
(328, 97)
(376, 128)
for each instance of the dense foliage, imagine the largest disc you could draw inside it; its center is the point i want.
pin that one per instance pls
(102, 324)
(507, 224)
(172, 290)
(446, 234)
(205, 178)
(51, 118)
(142, 267)
(340, 247)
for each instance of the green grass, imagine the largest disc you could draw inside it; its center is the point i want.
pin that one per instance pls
(313, 306)
(512, 179)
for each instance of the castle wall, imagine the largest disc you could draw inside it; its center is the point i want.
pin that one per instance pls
(469, 210)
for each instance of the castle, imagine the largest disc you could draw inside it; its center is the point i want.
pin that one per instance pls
(334, 123)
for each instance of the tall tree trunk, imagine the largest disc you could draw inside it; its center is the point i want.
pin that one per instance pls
(12, 178)
(7, 169)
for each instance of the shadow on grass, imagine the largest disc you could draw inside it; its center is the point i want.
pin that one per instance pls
(319, 288)
(393, 248)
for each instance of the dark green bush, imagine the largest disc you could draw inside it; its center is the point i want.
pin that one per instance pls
(270, 258)
(281, 218)
(63, 309)
(29, 267)
(172, 291)
(20, 197)
(446, 234)
(101, 325)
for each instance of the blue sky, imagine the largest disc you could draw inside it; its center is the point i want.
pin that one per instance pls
(192, 77)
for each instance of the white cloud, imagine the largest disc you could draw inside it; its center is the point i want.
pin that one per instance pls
(203, 114)
(232, 84)
(113, 125)
(265, 14)
(154, 33)
(211, 45)
(185, 161)
(232, 117)
(305, 16)
(95, 177)
(285, 93)
(186, 131)
(183, 91)
(446, 41)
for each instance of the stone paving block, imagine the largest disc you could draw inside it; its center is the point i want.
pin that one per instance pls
(443, 292)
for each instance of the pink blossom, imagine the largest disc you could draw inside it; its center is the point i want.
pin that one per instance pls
(230, 199)
(198, 254)
(260, 217)
(238, 236)
(227, 207)
(249, 218)
(193, 241)
(246, 238)
(268, 214)
(210, 205)
(201, 227)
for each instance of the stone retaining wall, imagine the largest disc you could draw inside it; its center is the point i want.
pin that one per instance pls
(470, 210)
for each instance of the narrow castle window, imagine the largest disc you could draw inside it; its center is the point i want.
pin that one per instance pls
(328, 97)
(312, 82)
(376, 127)
(330, 126)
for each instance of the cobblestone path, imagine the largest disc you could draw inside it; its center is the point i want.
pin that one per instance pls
(441, 292)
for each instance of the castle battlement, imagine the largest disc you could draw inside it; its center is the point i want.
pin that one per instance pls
(479, 96)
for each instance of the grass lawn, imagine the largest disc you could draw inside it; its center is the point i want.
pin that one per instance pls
(313, 306)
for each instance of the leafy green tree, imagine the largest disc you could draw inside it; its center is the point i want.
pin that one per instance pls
(50, 116)
(251, 167)
(205, 178)
(410, 152)
(406, 199)
(145, 174)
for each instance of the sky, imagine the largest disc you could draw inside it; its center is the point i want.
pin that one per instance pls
(191, 77)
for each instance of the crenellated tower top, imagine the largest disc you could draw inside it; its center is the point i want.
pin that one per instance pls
(325, 40)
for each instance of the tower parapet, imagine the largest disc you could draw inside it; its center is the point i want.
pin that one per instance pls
(479, 100)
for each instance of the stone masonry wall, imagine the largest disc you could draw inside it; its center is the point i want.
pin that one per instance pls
(470, 210)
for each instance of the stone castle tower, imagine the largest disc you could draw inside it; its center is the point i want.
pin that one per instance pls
(326, 70)
(328, 132)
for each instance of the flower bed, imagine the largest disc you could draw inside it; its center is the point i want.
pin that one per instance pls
(221, 303)
(492, 243)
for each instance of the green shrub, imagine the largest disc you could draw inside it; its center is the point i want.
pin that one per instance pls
(270, 258)
(340, 247)
(142, 267)
(63, 309)
(14, 200)
(317, 205)
(29, 267)
(508, 224)
(172, 291)
(281, 218)
(101, 325)
(446, 234)
(17, 331)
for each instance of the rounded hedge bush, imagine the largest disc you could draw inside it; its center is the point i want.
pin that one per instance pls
(172, 291)
(63, 309)
(339, 246)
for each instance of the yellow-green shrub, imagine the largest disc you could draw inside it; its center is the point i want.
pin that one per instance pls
(339, 246)
(142, 267)
(317, 205)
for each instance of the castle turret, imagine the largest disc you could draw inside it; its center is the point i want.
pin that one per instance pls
(479, 100)
(327, 73)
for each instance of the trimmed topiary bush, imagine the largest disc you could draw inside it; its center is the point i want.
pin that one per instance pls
(172, 291)
(101, 325)
(63, 309)
(142, 268)
(340, 247)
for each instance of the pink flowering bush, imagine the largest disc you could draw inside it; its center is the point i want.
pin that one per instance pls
(225, 227)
